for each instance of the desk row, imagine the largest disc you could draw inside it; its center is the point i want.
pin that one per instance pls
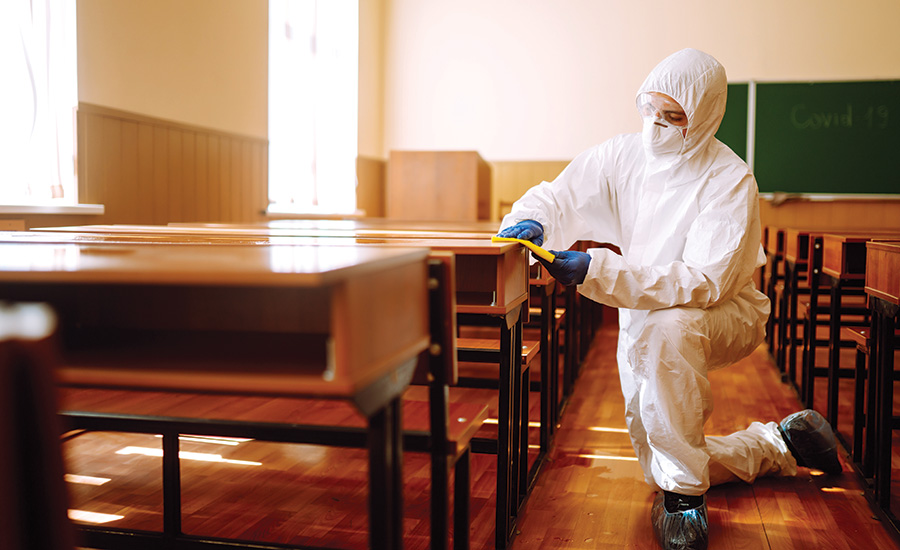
(834, 321)
(298, 316)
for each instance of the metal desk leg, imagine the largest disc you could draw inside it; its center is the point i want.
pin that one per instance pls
(884, 317)
(834, 354)
(385, 479)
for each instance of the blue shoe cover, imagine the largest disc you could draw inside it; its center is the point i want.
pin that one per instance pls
(679, 525)
(810, 439)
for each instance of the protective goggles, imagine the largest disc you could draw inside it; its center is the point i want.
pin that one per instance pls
(662, 107)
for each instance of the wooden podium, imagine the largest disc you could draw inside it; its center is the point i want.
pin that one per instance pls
(438, 185)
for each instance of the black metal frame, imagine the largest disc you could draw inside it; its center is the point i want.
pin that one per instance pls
(384, 439)
(510, 446)
(776, 257)
(885, 318)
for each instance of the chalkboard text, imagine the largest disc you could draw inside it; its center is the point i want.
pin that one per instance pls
(872, 117)
(801, 118)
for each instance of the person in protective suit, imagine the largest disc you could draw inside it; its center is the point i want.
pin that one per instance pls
(683, 210)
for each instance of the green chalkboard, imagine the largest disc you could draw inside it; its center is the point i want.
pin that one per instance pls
(828, 137)
(733, 130)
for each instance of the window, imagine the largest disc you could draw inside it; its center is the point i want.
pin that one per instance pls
(313, 87)
(40, 98)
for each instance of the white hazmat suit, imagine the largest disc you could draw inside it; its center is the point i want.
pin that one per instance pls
(689, 231)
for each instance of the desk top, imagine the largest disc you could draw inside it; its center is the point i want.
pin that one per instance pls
(794, 237)
(272, 229)
(441, 226)
(453, 242)
(492, 278)
(29, 257)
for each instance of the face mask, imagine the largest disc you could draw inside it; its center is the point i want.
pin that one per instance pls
(662, 140)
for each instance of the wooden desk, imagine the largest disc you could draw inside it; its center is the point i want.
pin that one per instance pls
(241, 321)
(435, 233)
(382, 228)
(391, 229)
(491, 281)
(882, 284)
(491, 277)
(844, 262)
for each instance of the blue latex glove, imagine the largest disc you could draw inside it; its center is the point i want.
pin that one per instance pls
(528, 230)
(569, 267)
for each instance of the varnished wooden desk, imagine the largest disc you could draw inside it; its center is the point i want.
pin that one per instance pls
(491, 277)
(319, 228)
(392, 229)
(491, 280)
(306, 324)
(882, 284)
(844, 262)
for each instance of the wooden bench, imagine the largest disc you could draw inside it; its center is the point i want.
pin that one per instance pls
(478, 368)
(863, 400)
(815, 317)
(293, 420)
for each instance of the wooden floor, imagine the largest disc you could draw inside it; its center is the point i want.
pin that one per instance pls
(590, 493)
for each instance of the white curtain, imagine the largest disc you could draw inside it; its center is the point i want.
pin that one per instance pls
(313, 89)
(39, 99)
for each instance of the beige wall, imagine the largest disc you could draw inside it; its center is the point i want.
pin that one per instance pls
(204, 62)
(371, 78)
(512, 79)
(200, 62)
(520, 81)
(538, 80)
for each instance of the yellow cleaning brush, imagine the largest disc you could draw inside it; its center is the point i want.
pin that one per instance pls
(545, 254)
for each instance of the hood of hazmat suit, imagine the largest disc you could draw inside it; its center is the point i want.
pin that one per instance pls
(697, 82)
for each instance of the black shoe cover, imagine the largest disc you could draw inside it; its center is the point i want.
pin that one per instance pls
(679, 522)
(810, 439)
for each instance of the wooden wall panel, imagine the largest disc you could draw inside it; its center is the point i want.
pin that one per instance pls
(151, 171)
(129, 168)
(146, 170)
(512, 178)
(214, 203)
(201, 177)
(12, 224)
(883, 213)
(371, 174)
(160, 161)
(145, 208)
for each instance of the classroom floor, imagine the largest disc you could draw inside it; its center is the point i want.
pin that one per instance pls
(590, 493)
